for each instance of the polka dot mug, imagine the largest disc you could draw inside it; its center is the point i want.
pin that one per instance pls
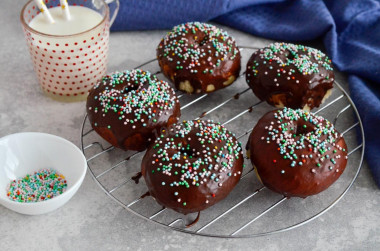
(67, 66)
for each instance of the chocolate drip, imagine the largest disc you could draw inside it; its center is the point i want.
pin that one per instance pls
(144, 195)
(203, 114)
(194, 222)
(137, 177)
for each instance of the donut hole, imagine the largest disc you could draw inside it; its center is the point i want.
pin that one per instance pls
(187, 152)
(290, 55)
(303, 129)
(203, 41)
(129, 88)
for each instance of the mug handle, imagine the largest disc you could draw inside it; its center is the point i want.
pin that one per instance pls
(115, 11)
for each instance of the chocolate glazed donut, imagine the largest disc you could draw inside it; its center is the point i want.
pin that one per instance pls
(289, 75)
(296, 153)
(192, 166)
(128, 109)
(199, 57)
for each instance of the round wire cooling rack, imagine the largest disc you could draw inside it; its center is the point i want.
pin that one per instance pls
(117, 171)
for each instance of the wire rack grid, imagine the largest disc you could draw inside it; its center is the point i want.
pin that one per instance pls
(114, 170)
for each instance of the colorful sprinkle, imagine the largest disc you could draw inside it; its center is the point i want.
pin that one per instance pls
(42, 185)
(304, 58)
(291, 73)
(292, 145)
(134, 96)
(209, 46)
(186, 167)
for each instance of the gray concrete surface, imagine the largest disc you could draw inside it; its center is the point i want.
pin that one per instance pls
(92, 221)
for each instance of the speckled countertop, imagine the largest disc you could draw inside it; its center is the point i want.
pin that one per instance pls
(91, 220)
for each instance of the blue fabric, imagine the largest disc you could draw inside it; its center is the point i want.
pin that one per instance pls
(350, 31)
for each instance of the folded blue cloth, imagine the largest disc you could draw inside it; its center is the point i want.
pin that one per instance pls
(350, 31)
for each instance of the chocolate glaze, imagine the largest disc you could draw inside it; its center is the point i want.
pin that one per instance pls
(208, 182)
(104, 111)
(311, 75)
(222, 66)
(317, 171)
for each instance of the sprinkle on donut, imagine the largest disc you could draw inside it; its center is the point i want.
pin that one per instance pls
(195, 165)
(201, 56)
(304, 153)
(306, 63)
(174, 44)
(290, 75)
(142, 92)
(288, 141)
(131, 102)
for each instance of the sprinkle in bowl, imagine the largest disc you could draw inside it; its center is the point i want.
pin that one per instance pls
(29, 152)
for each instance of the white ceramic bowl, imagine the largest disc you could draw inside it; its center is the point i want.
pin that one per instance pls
(26, 153)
